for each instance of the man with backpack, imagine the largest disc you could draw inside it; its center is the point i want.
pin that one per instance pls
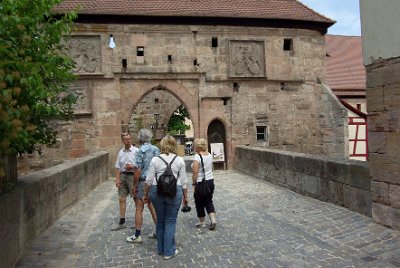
(143, 158)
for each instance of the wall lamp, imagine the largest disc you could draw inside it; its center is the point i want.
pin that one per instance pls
(111, 43)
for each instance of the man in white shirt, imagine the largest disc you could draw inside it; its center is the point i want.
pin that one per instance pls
(124, 176)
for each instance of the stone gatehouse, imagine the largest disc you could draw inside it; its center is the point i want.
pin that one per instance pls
(248, 74)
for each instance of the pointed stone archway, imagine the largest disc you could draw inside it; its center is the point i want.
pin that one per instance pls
(154, 98)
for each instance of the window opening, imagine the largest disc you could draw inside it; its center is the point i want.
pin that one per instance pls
(261, 133)
(140, 51)
(214, 42)
(288, 44)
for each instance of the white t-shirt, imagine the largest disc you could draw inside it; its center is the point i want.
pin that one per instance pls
(157, 167)
(208, 164)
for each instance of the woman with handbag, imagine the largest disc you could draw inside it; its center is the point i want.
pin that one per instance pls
(203, 184)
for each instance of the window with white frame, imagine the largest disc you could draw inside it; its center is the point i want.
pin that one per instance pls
(261, 133)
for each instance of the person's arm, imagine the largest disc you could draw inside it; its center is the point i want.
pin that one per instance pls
(117, 178)
(136, 179)
(146, 193)
(149, 180)
(195, 171)
(183, 180)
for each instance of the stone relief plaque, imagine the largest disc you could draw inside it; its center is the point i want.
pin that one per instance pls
(81, 90)
(86, 52)
(246, 59)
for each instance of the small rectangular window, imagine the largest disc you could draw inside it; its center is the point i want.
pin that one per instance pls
(261, 133)
(170, 58)
(214, 42)
(140, 51)
(358, 106)
(288, 44)
(124, 63)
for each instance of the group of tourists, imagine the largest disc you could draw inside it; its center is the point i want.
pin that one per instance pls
(157, 177)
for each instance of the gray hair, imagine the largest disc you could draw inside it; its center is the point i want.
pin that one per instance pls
(144, 135)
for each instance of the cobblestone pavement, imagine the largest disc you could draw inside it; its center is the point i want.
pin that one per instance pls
(259, 225)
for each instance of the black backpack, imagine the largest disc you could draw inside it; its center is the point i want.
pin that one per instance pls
(166, 183)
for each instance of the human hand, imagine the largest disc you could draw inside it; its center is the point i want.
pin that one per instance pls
(118, 182)
(145, 199)
(129, 166)
(134, 190)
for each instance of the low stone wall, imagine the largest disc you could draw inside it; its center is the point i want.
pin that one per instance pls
(343, 182)
(42, 197)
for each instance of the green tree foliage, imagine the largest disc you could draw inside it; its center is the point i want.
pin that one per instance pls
(176, 124)
(34, 73)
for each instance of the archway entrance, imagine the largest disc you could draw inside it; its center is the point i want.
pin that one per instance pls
(217, 143)
(155, 111)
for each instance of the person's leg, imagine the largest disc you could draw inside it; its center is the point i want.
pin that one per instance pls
(159, 207)
(171, 214)
(199, 203)
(122, 207)
(123, 192)
(139, 205)
(209, 205)
(154, 216)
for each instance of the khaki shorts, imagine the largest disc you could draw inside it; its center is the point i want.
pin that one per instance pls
(126, 185)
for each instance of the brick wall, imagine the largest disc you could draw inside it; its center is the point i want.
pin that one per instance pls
(42, 197)
(340, 181)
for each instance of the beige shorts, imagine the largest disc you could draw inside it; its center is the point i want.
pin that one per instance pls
(126, 185)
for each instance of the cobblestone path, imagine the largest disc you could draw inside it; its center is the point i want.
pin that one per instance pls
(259, 225)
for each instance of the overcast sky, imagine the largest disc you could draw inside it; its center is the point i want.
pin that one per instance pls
(345, 12)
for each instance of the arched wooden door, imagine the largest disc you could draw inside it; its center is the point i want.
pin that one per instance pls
(217, 143)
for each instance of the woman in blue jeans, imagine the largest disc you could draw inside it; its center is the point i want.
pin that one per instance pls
(167, 208)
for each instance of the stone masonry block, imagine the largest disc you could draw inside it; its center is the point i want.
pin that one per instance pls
(375, 100)
(383, 169)
(392, 96)
(9, 227)
(394, 196)
(385, 75)
(337, 171)
(359, 176)
(257, 155)
(380, 192)
(376, 142)
(386, 215)
(357, 199)
(311, 185)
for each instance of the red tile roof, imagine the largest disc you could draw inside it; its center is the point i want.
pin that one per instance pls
(345, 70)
(260, 9)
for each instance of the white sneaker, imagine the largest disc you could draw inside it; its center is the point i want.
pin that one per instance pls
(169, 257)
(134, 240)
(213, 225)
(153, 235)
(200, 225)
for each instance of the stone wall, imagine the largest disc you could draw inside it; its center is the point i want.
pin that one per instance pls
(340, 181)
(383, 96)
(249, 80)
(42, 197)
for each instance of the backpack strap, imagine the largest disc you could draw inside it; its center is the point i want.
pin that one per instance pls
(166, 163)
(202, 165)
(170, 163)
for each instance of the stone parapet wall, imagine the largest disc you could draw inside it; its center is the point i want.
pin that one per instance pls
(343, 182)
(42, 197)
(383, 97)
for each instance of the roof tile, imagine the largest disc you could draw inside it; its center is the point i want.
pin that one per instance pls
(344, 67)
(264, 9)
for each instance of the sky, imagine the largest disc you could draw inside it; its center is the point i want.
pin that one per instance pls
(346, 13)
